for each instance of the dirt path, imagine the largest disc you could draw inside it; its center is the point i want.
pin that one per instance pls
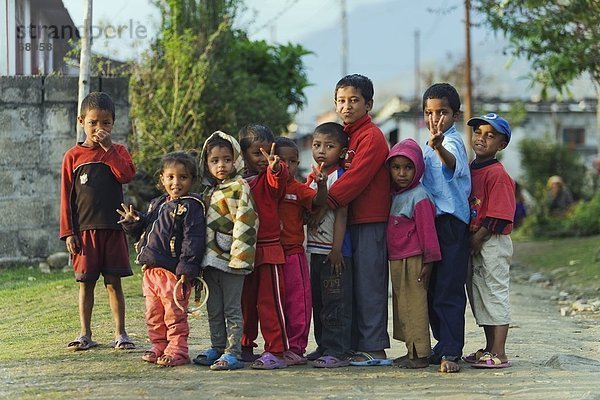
(537, 333)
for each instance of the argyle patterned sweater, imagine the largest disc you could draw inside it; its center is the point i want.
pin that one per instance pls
(231, 219)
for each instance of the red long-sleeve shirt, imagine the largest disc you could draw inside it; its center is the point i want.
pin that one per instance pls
(365, 186)
(91, 188)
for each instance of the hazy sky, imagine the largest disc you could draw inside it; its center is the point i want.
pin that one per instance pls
(381, 35)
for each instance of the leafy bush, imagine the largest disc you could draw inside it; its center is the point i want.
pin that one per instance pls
(584, 219)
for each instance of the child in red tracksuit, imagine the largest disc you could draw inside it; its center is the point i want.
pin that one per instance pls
(263, 294)
(298, 199)
(171, 247)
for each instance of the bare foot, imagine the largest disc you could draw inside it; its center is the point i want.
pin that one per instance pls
(399, 360)
(448, 365)
(414, 363)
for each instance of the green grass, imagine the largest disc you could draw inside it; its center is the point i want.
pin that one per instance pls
(569, 262)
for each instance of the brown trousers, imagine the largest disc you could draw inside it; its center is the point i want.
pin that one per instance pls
(411, 319)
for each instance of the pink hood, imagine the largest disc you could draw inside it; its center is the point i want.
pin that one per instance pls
(411, 150)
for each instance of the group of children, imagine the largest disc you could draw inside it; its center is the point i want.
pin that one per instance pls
(427, 218)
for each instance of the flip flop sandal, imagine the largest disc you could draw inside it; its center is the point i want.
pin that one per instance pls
(330, 362)
(81, 343)
(167, 360)
(312, 356)
(268, 361)
(150, 356)
(292, 358)
(473, 357)
(123, 342)
(370, 361)
(489, 360)
(229, 363)
(208, 357)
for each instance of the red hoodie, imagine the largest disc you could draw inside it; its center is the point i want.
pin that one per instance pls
(365, 185)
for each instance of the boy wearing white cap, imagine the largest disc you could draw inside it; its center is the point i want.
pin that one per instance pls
(492, 203)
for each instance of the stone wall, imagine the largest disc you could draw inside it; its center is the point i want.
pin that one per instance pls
(38, 123)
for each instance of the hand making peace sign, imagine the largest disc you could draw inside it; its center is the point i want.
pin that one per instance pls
(436, 135)
(320, 175)
(272, 158)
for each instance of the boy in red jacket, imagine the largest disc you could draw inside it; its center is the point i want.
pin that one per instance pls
(365, 188)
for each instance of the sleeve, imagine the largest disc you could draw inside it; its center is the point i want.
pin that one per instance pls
(370, 156)
(276, 181)
(193, 244)
(66, 187)
(305, 196)
(457, 148)
(245, 227)
(424, 215)
(120, 163)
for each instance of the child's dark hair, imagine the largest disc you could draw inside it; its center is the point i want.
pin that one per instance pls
(285, 142)
(360, 82)
(254, 133)
(99, 101)
(187, 159)
(218, 141)
(440, 91)
(334, 130)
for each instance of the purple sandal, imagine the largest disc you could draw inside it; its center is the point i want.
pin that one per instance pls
(268, 361)
(330, 362)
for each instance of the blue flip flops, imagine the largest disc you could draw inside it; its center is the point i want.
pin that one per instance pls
(369, 360)
(208, 357)
(230, 363)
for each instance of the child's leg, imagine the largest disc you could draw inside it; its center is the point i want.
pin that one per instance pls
(116, 300)
(411, 321)
(249, 310)
(154, 313)
(316, 263)
(496, 340)
(298, 303)
(370, 270)
(270, 300)
(447, 299)
(336, 314)
(214, 307)
(86, 305)
(176, 319)
(232, 294)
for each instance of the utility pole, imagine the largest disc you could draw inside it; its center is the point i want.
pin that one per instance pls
(468, 85)
(84, 62)
(344, 25)
(418, 114)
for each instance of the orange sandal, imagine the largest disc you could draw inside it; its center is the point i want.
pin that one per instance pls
(167, 360)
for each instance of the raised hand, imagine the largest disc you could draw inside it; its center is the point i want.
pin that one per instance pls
(103, 138)
(320, 175)
(436, 135)
(128, 214)
(272, 158)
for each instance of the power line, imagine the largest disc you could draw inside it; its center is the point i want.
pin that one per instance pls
(270, 22)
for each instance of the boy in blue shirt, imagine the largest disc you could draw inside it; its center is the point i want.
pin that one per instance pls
(447, 178)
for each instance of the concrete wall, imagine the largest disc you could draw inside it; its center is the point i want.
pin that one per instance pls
(37, 125)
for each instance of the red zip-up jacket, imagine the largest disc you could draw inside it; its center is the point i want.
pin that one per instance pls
(365, 186)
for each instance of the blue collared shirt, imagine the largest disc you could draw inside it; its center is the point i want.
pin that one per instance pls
(450, 189)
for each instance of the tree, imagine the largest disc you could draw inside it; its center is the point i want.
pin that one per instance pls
(561, 39)
(203, 75)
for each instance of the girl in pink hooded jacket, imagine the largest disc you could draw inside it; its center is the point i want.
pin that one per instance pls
(412, 248)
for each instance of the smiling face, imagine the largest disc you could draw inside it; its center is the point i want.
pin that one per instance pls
(438, 108)
(220, 162)
(487, 142)
(176, 180)
(327, 150)
(350, 105)
(402, 171)
(96, 119)
(256, 162)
